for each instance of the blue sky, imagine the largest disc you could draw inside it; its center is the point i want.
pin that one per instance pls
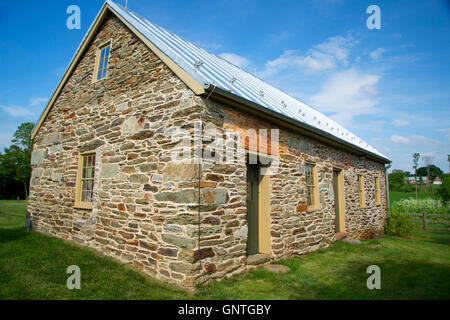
(391, 86)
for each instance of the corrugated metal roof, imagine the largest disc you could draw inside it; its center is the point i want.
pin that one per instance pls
(208, 68)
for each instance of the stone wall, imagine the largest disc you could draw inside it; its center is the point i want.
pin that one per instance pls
(145, 209)
(293, 229)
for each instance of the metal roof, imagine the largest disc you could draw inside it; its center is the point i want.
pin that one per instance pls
(210, 69)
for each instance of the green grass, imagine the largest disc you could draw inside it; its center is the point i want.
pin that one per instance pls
(33, 266)
(395, 196)
(424, 192)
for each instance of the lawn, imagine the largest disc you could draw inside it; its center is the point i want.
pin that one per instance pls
(424, 192)
(395, 196)
(33, 266)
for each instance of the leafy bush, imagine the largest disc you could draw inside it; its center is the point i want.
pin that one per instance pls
(444, 190)
(398, 225)
(406, 188)
(396, 180)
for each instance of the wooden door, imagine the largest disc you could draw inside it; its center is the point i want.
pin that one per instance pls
(252, 209)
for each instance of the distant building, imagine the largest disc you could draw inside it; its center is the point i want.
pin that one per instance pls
(422, 180)
(411, 180)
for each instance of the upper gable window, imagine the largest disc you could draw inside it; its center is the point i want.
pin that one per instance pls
(102, 61)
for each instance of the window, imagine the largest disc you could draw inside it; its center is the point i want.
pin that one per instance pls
(85, 181)
(101, 65)
(312, 192)
(362, 196)
(377, 191)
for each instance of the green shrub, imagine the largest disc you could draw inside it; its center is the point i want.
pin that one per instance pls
(444, 190)
(406, 188)
(398, 225)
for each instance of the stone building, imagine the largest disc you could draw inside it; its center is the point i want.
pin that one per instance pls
(109, 171)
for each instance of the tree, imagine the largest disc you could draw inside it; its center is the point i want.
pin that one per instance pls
(396, 179)
(416, 157)
(22, 136)
(15, 162)
(444, 190)
(427, 160)
(432, 172)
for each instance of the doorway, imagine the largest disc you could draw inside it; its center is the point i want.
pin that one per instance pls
(252, 208)
(339, 200)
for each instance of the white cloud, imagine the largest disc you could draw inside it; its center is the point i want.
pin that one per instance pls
(400, 139)
(415, 139)
(279, 37)
(235, 59)
(337, 46)
(316, 60)
(377, 53)
(17, 111)
(347, 94)
(325, 56)
(400, 122)
(38, 101)
(209, 45)
(446, 131)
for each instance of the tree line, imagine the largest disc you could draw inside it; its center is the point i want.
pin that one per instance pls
(422, 175)
(15, 164)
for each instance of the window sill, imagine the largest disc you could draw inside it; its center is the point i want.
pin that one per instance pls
(83, 206)
(98, 80)
(312, 209)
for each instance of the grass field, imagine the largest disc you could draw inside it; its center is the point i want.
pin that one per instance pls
(33, 266)
(395, 196)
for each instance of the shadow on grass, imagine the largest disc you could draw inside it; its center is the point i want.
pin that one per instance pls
(408, 279)
(12, 234)
(433, 236)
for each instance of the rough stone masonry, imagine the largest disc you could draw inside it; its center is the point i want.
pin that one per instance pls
(145, 209)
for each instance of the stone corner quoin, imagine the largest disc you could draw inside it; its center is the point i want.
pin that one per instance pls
(145, 208)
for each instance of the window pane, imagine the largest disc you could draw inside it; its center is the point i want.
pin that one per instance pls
(100, 70)
(103, 64)
(309, 175)
(104, 71)
(310, 195)
(87, 181)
